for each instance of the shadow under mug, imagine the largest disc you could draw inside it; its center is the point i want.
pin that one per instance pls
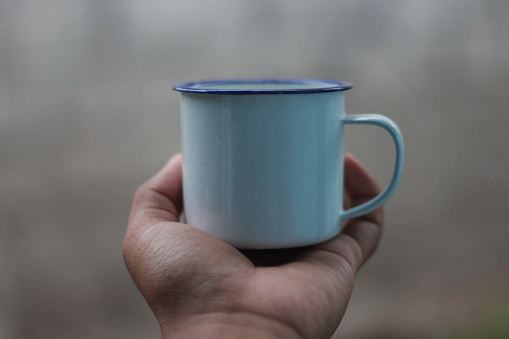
(263, 160)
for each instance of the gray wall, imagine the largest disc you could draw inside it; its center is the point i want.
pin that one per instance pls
(87, 113)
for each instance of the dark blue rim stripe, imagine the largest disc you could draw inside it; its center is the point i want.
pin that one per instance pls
(322, 86)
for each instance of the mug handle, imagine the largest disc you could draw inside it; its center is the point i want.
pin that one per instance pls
(392, 128)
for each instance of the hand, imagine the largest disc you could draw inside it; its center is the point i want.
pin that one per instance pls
(200, 287)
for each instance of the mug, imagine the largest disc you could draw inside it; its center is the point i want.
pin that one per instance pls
(263, 160)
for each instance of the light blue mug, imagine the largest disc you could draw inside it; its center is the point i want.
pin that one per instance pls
(263, 160)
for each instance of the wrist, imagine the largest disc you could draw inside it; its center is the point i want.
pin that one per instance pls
(227, 325)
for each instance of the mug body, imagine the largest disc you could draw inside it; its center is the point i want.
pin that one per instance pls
(263, 170)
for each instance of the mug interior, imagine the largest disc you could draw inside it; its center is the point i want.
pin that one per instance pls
(262, 86)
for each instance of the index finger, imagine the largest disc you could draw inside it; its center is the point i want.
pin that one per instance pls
(365, 230)
(360, 236)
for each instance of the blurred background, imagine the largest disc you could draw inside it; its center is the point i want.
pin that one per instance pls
(87, 113)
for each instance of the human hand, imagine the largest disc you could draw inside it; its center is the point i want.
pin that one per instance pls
(200, 287)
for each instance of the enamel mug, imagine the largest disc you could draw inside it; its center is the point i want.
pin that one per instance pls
(263, 160)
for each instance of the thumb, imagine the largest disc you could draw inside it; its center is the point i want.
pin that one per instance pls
(160, 198)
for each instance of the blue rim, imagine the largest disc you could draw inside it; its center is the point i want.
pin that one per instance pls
(322, 86)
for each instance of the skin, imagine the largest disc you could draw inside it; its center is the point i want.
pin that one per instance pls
(200, 287)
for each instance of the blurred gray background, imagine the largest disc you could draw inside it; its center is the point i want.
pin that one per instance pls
(87, 114)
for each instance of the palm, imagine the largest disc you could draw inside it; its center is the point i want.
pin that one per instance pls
(182, 270)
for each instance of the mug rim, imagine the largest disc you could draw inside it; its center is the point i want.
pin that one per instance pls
(321, 86)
